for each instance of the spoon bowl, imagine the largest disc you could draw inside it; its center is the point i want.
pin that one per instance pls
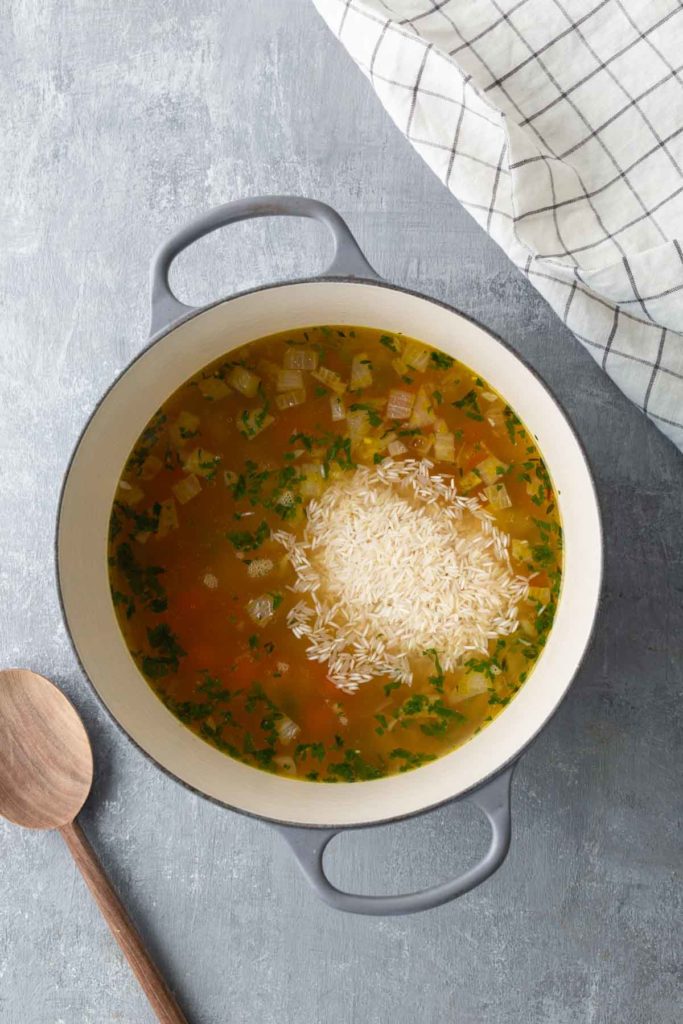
(46, 763)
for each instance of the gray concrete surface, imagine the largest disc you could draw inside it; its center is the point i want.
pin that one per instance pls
(122, 120)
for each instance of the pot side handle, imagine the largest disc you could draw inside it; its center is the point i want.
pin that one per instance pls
(309, 847)
(348, 260)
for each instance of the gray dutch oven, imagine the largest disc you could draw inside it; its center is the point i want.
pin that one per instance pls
(183, 340)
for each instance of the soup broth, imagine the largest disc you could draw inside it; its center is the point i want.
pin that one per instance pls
(335, 553)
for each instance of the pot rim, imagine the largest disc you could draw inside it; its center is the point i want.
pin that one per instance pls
(194, 312)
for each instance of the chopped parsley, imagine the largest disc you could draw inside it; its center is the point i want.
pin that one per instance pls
(143, 580)
(437, 680)
(441, 360)
(244, 540)
(169, 652)
(409, 759)
(470, 405)
(353, 768)
(389, 343)
(373, 416)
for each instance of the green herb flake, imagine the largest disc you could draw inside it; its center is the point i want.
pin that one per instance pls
(373, 416)
(143, 581)
(243, 540)
(388, 342)
(441, 360)
(469, 405)
(437, 681)
(410, 760)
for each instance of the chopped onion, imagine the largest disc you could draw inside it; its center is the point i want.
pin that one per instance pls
(282, 667)
(498, 496)
(201, 462)
(527, 627)
(476, 682)
(396, 448)
(300, 359)
(541, 594)
(491, 469)
(187, 489)
(358, 422)
(251, 422)
(338, 710)
(337, 408)
(210, 581)
(288, 399)
(312, 484)
(444, 446)
(213, 388)
(289, 380)
(130, 494)
(400, 404)
(168, 518)
(361, 372)
(187, 425)
(268, 368)
(521, 550)
(416, 356)
(244, 381)
(423, 413)
(495, 417)
(287, 729)
(469, 481)
(150, 467)
(330, 379)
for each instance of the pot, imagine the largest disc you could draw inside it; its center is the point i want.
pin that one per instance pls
(183, 340)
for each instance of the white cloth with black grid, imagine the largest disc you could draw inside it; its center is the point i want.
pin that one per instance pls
(558, 124)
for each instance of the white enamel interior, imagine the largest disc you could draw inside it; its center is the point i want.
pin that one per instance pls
(86, 504)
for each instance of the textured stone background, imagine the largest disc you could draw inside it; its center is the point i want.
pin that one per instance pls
(121, 121)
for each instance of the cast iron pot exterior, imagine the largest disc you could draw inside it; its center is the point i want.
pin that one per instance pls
(183, 340)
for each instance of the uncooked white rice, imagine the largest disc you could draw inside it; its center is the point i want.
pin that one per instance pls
(392, 562)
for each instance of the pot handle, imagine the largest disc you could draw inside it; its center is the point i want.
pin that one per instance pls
(309, 846)
(348, 260)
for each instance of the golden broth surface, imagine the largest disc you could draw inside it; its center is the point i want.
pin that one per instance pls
(209, 479)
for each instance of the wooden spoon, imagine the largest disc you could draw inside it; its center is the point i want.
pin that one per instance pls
(46, 772)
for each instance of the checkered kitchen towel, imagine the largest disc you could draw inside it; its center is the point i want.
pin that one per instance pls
(557, 124)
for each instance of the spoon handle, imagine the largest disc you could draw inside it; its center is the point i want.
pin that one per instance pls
(160, 997)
